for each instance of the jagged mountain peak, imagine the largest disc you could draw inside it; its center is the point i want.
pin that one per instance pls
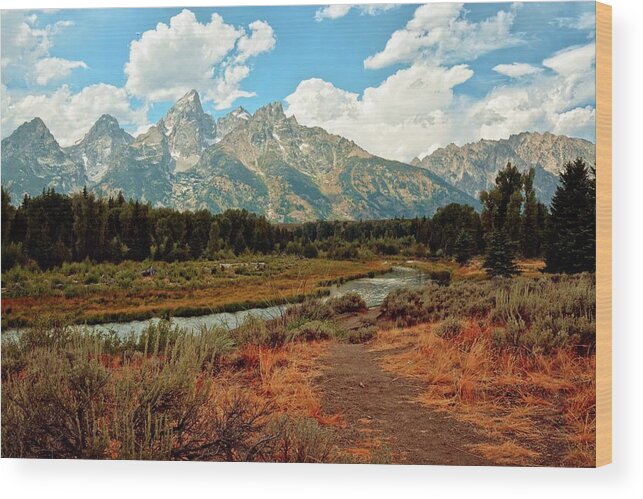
(273, 112)
(33, 160)
(106, 125)
(240, 112)
(35, 126)
(101, 147)
(190, 99)
(31, 134)
(188, 129)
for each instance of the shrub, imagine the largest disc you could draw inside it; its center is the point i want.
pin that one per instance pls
(350, 302)
(314, 330)
(64, 401)
(404, 306)
(360, 335)
(304, 441)
(449, 328)
(536, 314)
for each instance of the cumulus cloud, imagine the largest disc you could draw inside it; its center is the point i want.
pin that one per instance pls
(55, 68)
(337, 11)
(26, 50)
(211, 57)
(575, 60)
(416, 110)
(261, 39)
(70, 115)
(516, 70)
(332, 12)
(555, 102)
(397, 119)
(441, 33)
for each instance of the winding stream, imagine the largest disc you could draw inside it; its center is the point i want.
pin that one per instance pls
(372, 289)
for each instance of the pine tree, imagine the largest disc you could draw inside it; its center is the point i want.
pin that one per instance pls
(499, 260)
(571, 231)
(531, 222)
(463, 247)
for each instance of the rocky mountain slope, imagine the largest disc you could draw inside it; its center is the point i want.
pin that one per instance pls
(33, 160)
(273, 165)
(473, 167)
(101, 147)
(268, 163)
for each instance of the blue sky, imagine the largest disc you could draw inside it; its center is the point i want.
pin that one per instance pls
(470, 63)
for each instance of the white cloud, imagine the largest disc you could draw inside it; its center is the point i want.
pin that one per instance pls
(397, 119)
(171, 59)
(332, 12)
(415, 110)
(516, 70)
(26, 50)
(579, 122)
(572, 60)
(337, 11)
(441, 33)
(555, 102)
(584, 22)
(55, 68)
(262, 39)
(70, 115)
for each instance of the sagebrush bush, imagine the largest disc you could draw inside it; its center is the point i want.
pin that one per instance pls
(68, 393)
(537, 314)
(303, 441)
(449, 328)
(350, 302)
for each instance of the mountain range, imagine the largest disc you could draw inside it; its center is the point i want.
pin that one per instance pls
(270, 164)
(473, 167)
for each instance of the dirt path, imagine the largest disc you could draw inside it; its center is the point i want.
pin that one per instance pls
(378, 406)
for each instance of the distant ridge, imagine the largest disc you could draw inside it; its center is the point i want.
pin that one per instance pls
(473, 167)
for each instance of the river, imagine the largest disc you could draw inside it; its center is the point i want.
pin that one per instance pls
(372, 289)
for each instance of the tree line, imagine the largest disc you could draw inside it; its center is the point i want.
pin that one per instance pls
(52, 228)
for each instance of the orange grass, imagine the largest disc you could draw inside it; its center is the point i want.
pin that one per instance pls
(285, 377)
(533, 404)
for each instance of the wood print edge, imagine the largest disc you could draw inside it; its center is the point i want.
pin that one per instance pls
(603, 234)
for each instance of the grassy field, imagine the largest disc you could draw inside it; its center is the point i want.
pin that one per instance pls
(512, 358)
(90, 293)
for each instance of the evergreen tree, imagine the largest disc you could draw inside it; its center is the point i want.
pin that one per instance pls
(8, 214)
(502, 201)
(499, 259)
(464, 247)
(532, 222)
(571, 231)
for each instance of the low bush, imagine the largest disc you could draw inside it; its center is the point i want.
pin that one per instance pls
(350, 302)
(313, 330)
(303, 441)
(449, 328)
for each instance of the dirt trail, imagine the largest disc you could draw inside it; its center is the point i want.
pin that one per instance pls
(378, 405)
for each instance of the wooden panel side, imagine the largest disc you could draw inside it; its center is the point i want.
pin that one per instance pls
(603, 234)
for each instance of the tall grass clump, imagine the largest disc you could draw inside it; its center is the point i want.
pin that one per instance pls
(535, 314)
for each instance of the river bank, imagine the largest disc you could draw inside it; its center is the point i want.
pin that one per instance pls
(106, 293)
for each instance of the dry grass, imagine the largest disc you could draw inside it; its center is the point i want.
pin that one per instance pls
(535, 406)
(170, 395)
(507, 453)
(291, 280)
(284, 376)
